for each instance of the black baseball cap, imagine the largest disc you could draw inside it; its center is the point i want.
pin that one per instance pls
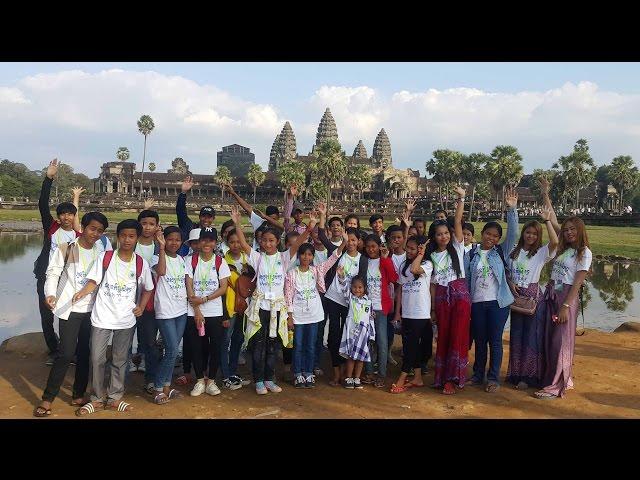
(208, 210)
(209, 233)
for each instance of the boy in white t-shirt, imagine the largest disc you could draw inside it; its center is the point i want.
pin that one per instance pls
(123, 277)
(66, 274)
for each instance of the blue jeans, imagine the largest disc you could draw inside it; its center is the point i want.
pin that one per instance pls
(231, 344)
(172, 330)
(304, 346)
(487, 325)
(382, 343)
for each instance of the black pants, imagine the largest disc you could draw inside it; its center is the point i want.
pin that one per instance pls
(417, 337)
(187, 356)
(75, 334)
(264, 349)
(148, 341)
(213, 336)
(46, 318)
(337, 316)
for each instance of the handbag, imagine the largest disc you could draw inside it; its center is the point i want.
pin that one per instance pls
(245, 287)
(524, 305)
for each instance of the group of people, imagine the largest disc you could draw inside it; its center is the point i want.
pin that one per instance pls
(220, 296)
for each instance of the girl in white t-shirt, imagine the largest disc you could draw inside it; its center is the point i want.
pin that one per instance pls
(170, 304)
(569, 272)
(450, 301)
(414, 277)
(266, 328)
(525, 264)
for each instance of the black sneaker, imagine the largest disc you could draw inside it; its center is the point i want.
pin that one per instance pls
(231, 384)
(299, 382)
(357, 384)
(310, 381)
(242, 381)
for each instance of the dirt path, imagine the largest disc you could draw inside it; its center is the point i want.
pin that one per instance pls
(606, 375)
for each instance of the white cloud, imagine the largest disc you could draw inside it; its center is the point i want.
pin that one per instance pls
(83, 118)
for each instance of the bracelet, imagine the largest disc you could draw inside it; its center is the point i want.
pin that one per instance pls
(547, 221)
(566, 305)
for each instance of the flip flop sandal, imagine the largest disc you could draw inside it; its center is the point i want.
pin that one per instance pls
(492, 388)
(379, 383)
(121, 407)
(396, 389)
(86, 409)
(78, 404)
(173, 393)
(544, 396)
(449, 389)
(41, 412)
(413, 385)
(161, 399)
(149, 389)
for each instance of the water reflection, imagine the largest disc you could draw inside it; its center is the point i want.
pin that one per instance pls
(617, 285)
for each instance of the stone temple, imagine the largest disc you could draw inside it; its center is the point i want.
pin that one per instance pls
(387, 182)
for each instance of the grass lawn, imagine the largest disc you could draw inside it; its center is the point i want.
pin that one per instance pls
(623, 241)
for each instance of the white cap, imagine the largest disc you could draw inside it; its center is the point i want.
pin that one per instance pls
(194, 234)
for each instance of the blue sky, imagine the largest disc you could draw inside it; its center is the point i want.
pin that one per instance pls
(541, 108)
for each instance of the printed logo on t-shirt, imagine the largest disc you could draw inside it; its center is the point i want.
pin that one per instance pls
(412, 286)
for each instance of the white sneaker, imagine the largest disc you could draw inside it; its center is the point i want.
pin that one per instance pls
(212, 388)
(198, 388)
(132, 366)
(142, 367)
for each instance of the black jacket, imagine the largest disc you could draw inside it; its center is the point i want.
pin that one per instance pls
(42, 262)
(184, 222)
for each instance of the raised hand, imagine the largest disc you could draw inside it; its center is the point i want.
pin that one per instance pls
(411, 205)
(77, 191)
(511, 198)
(322, 208)
(459, 190)
(313, 218)
(52, 169)
(544, 185)
(406, 218)
(235, 215)
(345, 237)
(148, 203)
(384, 252)
(187, 184)
(545, 213)
(160, 238)
(421, 249)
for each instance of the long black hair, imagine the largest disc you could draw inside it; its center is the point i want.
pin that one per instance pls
(431, 247)
(419, 240)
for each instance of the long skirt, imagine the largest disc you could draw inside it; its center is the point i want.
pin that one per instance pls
(559, 342)
(526, 342)
(453, 314)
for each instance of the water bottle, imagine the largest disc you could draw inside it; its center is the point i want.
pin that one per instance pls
(201, 329)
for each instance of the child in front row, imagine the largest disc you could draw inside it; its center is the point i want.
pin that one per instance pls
(358, 329)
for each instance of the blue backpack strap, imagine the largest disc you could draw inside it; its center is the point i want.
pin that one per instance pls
(103, 240)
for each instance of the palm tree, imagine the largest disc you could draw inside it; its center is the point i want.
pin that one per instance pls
(504, 169)
(145, 127)
(623, 174)
(291, 173)
(446, 168)
(473, 168)
(330, 166)
(360, 177)
(578, 168)
(223, 177)
(256, 177)
(123, 154)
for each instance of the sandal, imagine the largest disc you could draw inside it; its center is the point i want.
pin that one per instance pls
(542, 395)
(396, 389)
(173, 393)
(149, 388)
(522, 386)
(492, 387)
(367, 380)
(379, 383)
(86, 409)
(413, 385)
(41, 411)
(78, 402)
(120, 407)
(473, 381)
(449, 389)
(161, 398)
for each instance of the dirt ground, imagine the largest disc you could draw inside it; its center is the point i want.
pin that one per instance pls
(606, 376)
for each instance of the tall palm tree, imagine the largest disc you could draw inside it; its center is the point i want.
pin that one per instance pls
(505, 168)
(446, 168)
(623, 174)
(145, 127)
(123, 154)
(577, 169)
(256, 178)
(223, 177)
(330, 165)
(291, 172)
(473, 174)
(360, 177)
